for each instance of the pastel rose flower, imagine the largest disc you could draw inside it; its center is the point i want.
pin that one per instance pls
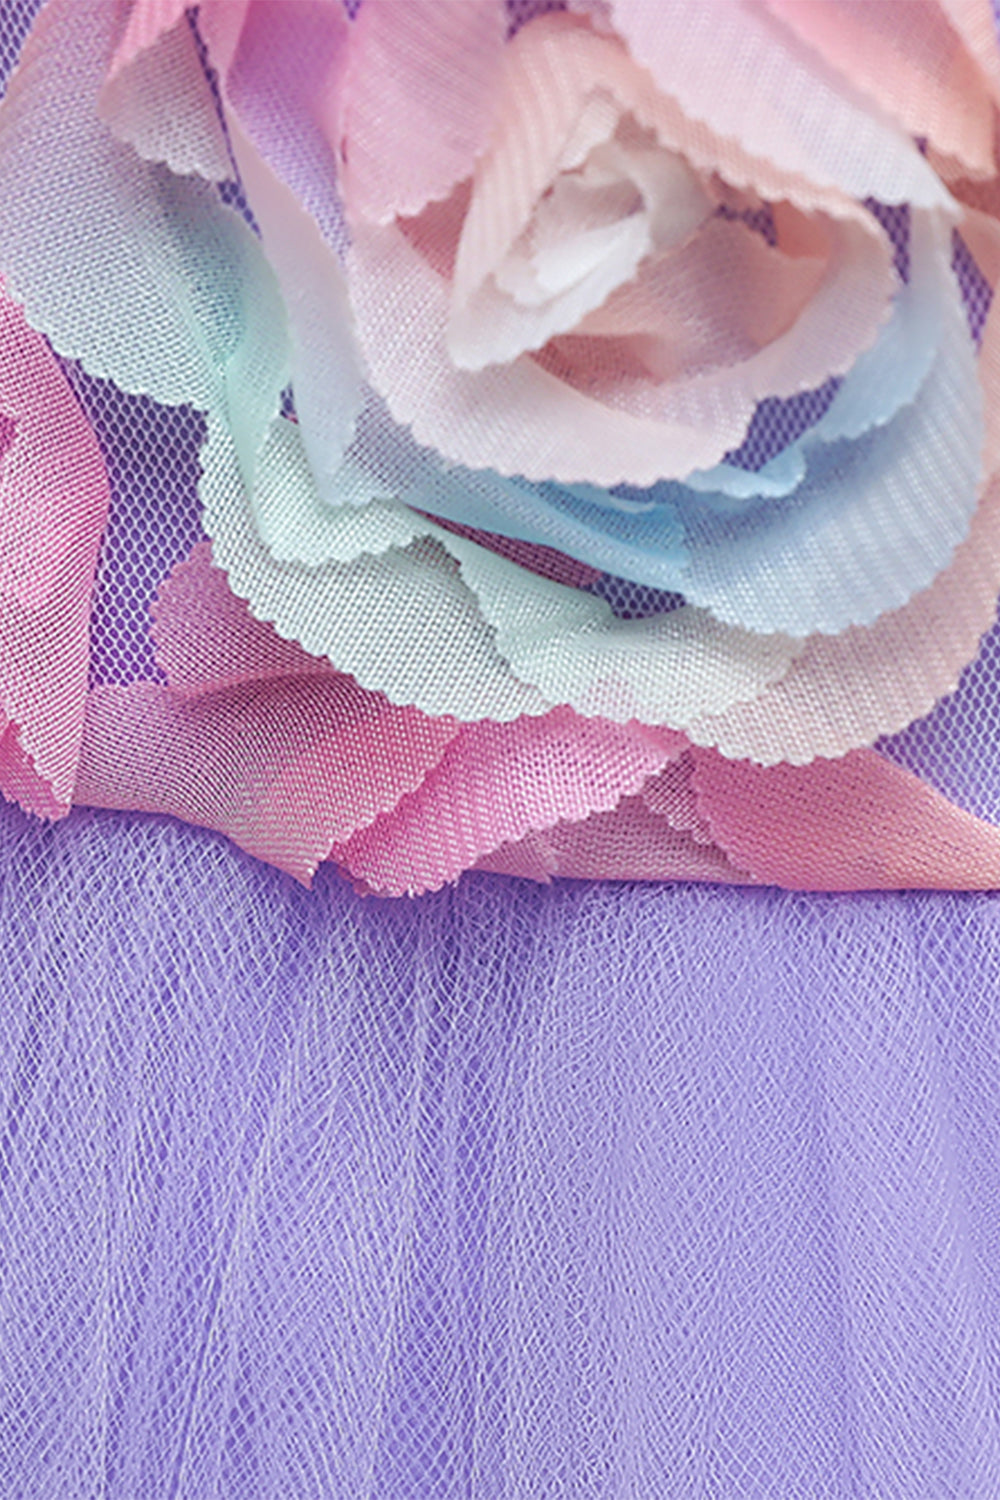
(660, 217)
(662, 287)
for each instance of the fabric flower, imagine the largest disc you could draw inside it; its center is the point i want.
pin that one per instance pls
(500, 315)
(573, 263)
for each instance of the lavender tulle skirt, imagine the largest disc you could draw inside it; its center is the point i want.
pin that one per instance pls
(589, 1190)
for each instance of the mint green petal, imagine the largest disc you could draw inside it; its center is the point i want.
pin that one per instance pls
(435, 620)
(398, 618)
(295, 524)
(573, 648)
(144, 277)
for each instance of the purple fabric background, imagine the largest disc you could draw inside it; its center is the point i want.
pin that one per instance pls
(589, 1190)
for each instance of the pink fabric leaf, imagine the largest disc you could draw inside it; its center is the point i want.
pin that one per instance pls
(252, 736)
(860, 823)
(497, 783)
(417, 101)
(20, 781)
(286, 767)
(206, 638)
(54, 499)
(629, 843)
(671, 795)
(905, 55)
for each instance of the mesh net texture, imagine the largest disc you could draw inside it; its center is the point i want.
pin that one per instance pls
(587, 1191)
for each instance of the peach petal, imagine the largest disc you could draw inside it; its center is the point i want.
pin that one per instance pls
(975, 22)
(729, 322)
(905, 55)
(520, 418)
(416, 102)
(860, 823)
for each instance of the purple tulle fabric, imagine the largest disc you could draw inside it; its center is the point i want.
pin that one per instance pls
(589, 1190)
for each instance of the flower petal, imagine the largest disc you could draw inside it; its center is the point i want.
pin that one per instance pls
(386, 606)
(906, 56)
(157, 97)
(630, 843)
(875, 519)
(860, 823)
(143, 276)
(741, 73)
(54, 499)
(517, 419)
(846, 690)
(416, 105)
(325, 365)
(148, 21)
(286, 767)
(495, 784)
(266, 743)
(483, 640)
(527, 420)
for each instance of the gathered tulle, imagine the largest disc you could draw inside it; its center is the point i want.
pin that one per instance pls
(583, 1191)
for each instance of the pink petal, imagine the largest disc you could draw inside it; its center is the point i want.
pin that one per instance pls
(975, 23)
(630, 843)
(844, 691)
(286, 767)
(54, 500)
(147, 21)
(671, 795)
(417, 100)
(495, 784)
(253, 736)
(762, 96)
(984, 242)
(860, 823)
(907, 57)
(20, 781)
(206, 638)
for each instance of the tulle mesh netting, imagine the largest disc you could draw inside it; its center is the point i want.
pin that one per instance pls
(597, 1190)
(588, 1190)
